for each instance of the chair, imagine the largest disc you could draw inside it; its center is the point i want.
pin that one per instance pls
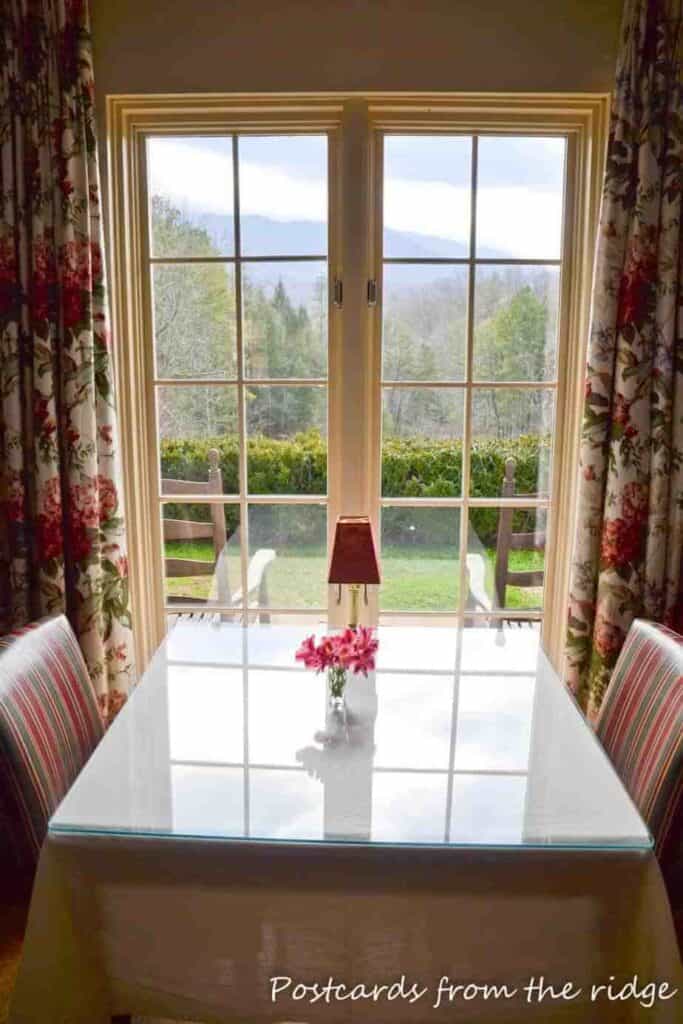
(49, 726)
(640, 725)
(508, 541)
(182, 529)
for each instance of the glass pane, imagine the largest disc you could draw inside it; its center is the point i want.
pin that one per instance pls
(420, 562)
(285, 805)
(396, 734)
(206, 719)
(422, 442)
(193, 422)
(515, 329)
(283, 195)
(292, 541)
(207, 801)
(427, 196)
(293, 696)
(494, 722)
(285, 319)
(520, 190)
(424, 328)
(488, 808)
(194, 319)
(201, 553)
(511, 423)
(408, 807)
(287, 448)
(503, 543)
(191, 196)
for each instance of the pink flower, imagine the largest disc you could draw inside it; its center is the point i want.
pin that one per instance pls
(353, 649)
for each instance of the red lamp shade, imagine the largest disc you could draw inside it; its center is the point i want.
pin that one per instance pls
(354, 558)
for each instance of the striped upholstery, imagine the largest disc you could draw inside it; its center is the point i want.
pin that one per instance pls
(641, 728)
(49, 726)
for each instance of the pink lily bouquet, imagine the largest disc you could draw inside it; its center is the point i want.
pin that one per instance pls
(353, 650)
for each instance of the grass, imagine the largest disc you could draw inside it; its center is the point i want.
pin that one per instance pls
(413, 579)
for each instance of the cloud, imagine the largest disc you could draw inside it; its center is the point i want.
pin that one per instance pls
(522, 220)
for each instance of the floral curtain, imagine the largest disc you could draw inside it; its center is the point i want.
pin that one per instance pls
(62, 543)
(630, 526)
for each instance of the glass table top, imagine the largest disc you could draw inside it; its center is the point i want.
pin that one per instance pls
(459, 738)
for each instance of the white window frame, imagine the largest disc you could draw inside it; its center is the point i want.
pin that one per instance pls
(355, 124)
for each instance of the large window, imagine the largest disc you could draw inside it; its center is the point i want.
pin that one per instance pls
(239, 290)
(338, 305)
(471, 266)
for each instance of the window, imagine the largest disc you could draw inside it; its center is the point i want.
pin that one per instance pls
(238, 279)
(472, 247)
(331, 305)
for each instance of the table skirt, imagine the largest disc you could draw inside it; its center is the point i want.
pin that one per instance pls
(198, 929)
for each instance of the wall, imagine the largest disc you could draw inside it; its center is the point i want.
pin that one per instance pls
(305, 45)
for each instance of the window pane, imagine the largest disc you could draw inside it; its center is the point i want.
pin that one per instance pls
(283, 195)
(194, 320)
(287, 450)
(502, 542)
(520, 191)
(293, 539)
(193, 422)
(201, 553)
(488, 807)
(197, 793)
(511, 423)
(427, 196)
(191, 196)
(494, 722)
(424, 329)
(422, 442)
(420, 563)
(285, 319)
(515, 336)
(408, 807)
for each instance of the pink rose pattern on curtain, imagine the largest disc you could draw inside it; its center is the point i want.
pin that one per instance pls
(629, 542)
(62, 542)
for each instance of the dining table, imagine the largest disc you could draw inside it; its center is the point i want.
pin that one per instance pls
(453, 845)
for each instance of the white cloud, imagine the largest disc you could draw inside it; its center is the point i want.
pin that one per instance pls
(524, 221)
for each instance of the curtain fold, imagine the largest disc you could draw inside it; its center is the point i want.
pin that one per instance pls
(62, 541)
(629, 543)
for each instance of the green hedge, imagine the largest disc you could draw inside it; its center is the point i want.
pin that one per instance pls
(410, 468)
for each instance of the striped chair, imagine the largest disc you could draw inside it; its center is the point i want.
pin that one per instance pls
(49, 726)
(641, 727)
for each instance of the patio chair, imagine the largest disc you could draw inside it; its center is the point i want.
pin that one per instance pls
(507, 541)
(184, 529)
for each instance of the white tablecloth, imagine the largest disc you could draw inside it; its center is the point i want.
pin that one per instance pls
(197, 929)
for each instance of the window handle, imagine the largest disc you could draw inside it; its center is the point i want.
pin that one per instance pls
(372, 293)
(338, 293)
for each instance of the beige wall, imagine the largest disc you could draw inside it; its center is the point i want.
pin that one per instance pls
(274, 45)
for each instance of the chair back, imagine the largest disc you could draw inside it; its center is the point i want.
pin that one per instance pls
(507, 541)
(640, 725)
(49, 726)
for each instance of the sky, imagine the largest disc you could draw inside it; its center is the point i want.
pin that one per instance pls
(426, 189)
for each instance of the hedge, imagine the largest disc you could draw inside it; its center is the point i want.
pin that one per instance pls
(410, 468)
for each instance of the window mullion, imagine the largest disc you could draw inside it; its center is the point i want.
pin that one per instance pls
(467, 424)
(241, 424)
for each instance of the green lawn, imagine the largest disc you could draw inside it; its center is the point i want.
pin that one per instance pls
(417, 579)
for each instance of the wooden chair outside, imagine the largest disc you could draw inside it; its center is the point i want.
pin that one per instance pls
(184, 529)
(508, 541)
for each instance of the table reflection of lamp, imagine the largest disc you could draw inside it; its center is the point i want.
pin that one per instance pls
(354, 560)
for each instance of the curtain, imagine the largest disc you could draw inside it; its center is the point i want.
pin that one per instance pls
(62, 543)
(627, 560)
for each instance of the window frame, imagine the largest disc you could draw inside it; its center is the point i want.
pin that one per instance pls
(355, 124)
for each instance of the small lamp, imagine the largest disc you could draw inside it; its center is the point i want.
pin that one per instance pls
(354, 559)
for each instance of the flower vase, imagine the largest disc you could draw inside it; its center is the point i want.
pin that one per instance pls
(336, 715)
